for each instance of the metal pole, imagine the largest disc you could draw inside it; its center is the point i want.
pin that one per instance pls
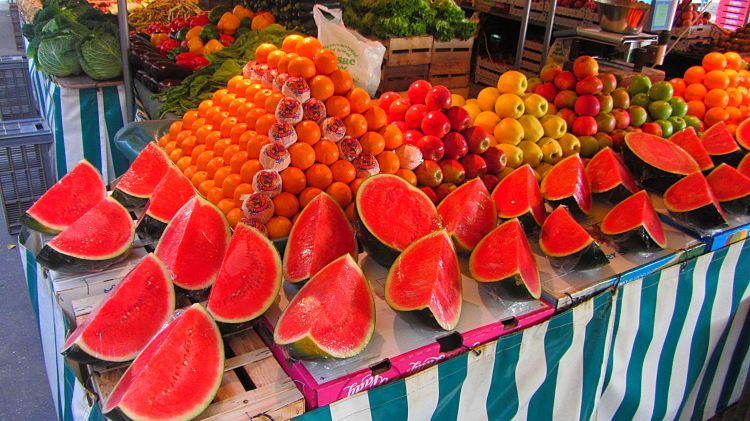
(548, 31)
(127, 78)
(522, 34)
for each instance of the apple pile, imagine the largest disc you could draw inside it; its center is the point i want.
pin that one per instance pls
(687, 14)
(666, 113)
(578, 4)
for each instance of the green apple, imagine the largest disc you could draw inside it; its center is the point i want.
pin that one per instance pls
(535, 105)
(504, 172)
(513, 153)
(666, 128)
(679, 107)
(606, 103)
(570, 144)
(692, 121)
(554, 126)
(678, 123)
(660, 110)
(638, 115)
(661, 90)
(641, 100)
(532, 153)
(533, 82)
(552, 152)
(639, 84)
(620, 98)
(589, 146)
(532, 128)
(603, 140)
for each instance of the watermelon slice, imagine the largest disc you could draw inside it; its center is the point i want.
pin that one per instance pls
(173, 191)
(731, 188)
(319, 236)
(194, 243)
(634, 224)
(721, 146)
(75, 194)
(568, 244)
(468, 214)
(657, 162)
(691, 200)
(518, 196)
(392, 214)
(101, 237)
(744, 166)
(689, 141)
(566, 184)
(742, 135)
(176, 376)
(127, 319)
(608, 177)
(333, 315)
(516, 261)
(135, 187)
(249, 279)
(426, 276)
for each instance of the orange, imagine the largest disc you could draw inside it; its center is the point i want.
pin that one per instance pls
(213, 165)
(205, 186)
(234, 84)
(715, 115)
(284, 62)
(745, 95)
(340, 192)
(183, 163)
(302, 154)
(289, 45)
(393, 137)
(212, 138)
(230, 184)
(735, 97)
(359, 100)
(218, 95)
(236, 131)
(376, 118)
(308, 47)
(204, 106)
(221, 145)
(226, 101)
(356, 125)
(181, 136)
(696, 109)
(212, 112)
(716, 98)
(285, 204)
(252, 90)
(326, 152)
(293, 180)
(198, 178)
(407, 175)
(255, 144)
(354, 185)
(695, 92)
(203, 159)
(242, 88)
(260, 97)
(242, 190)
(308, 131)
(169, 147)
(734, 60)
(716, 79)
(273, 58)
(308, 194)
(188, 118)
(343, 171)
(714, 61)
(219, 118)
(732, 129)
(301, 67)
(190, 171)
(229, 152)
(388, 161)
(202, 132)
(252, 116)
(326, 61)
(321, 87)
(249, 169)
(744, 78)
(199, 149)
(350, 212)
(319, 175)
(245, 138)
(278, 227)
(215, 195)
(734, 77)
(221, 174)
(226, 126)
(175, 128)
(262, 52)
(237, 160)
(187, 145)
(234, 217)
(338, 106)
(199, 122)
(235, 105)
(372, 143)
(694, 74)
(342, 82)
(263, 125)
(225, 205)
(164, 140)
(678, 85)
(734, 114)
(272, 101)
(175, 155)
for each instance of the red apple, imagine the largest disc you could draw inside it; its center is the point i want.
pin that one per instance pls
(418, 91)
(430, 193)
(432, 147)
(456, 146)
(435, 123)
(565, 80)
(584, 126)
(438, 98)
(549, 71)
(568, 115)
(444, 190)
(652, 128)
(495, 159)
(587, 105)
(453, 171)
(414, 115)
(585, 66)
(622, 118)
(547, 90)
(566, 99)
(397, 111)
(590, 85)
(609, 82)
(474, 165)
(618, 138)
(429, 173)
(477, 138)
(401, 125)
(490, 181)
(411, 137)
(605, 122)
(459, 118)
(387, 99)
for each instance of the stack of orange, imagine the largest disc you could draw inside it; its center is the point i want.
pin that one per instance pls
(217, 146)
(718, 90)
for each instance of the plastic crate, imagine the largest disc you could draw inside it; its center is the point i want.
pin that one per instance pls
(16, 99)
(26, 166)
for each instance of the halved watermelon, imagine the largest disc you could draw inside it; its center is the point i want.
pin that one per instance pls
(656, 162)
(691, 200)
(391, 215)
(688, 140)
(101, 237)
(568, 243)
(721, 146)
(635, 224)
(427, 276)
(249, 279)
(194, 243)
(468, 214)
(731, 188)
(608, 177)
(176, 376)
(173, 191)
(127, 319)
(566, 184)
(75, 194)
(516, 261)
(135, 187)
(321, 234)
(742, 135)
(518, 196)
(333, 315)
(744, 166)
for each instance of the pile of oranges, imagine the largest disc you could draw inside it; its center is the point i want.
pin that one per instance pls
(716, 91)
(218, 146)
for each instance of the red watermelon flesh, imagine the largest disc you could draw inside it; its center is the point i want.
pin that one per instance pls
(606, 171)
(468, 213)
(75, 194)
(249, 279)
(173, 191)
(562, 235)
(718, 140)
(657, 162)
(333, 315)
(633, 213)
(518, 195)
(128, 318)
(194, 243)
(744, 166)
(728, 184)
(321, 234)
(144, 174)
(688, 140)
(426, 276)
(692, 200)
(515, 261)
(176, 376)
(743, 134)
(567, 180)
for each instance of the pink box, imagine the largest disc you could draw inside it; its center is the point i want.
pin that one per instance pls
(403, 344)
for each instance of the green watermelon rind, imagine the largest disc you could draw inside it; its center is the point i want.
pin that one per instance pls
(652, 177)
(128, 198)
(705, 216)
(123, 413)
(150, 228)
(744, 126)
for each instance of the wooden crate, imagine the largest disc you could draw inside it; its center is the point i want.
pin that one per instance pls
(497, 7)
(454, 52)
(407, 51)
(487, 72)
(449, 77)
(398, 78)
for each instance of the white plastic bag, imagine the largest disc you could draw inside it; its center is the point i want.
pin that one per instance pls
(360, 56)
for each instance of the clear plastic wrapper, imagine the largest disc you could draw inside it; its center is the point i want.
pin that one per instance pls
(409, 156)
(278, 83)
(267, 182)
(274, 156)
(333, 129)
(296, 88)
(256, 223)
(289, 111)
(314, 110)
(257, 207)
(366, 165)
(350, 148)
(258, 72)
(282, 133)
(268, 78)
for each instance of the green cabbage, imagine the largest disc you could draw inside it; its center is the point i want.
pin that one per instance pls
(99, 56)
(56, 54)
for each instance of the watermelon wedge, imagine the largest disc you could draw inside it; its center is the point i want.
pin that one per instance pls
(657, 162)
(75, 194)
(634, 224)
(468, 214)
(689, 141)
(568, 244)
(176, 376)
(691, 200)
(173, 191)
(566, 184)
(518, 196)
(426, 277)
(135, 187)
(744, 166)
(333, 315)
(731, 188)
(101, 237)
(127, 319)
(320, 235)
(721, 146)
(742, 135)
(608, 177)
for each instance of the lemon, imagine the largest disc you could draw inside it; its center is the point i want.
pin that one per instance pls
(509, 105)
(508, 130)
(487, 97)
